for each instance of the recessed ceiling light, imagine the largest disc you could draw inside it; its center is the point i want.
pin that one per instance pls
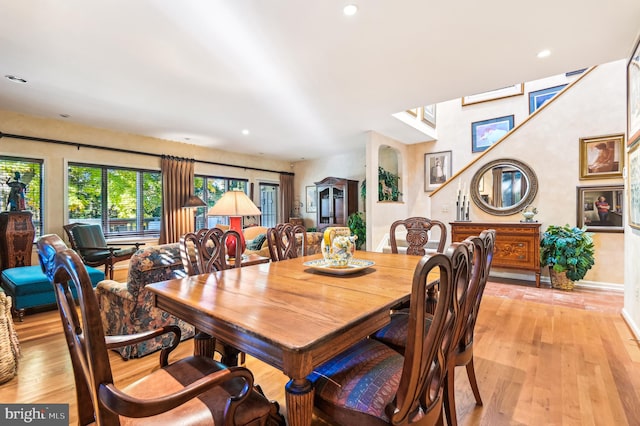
(65, 115)
(350, 9)
(544, 53)
(15, 79)
(245, 132)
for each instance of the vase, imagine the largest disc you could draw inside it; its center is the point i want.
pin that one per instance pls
(338, 246)
(560, 281)
(528, 216)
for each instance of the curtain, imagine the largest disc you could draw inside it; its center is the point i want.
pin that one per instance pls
(497, 187)
(286, 196)
(177, 186)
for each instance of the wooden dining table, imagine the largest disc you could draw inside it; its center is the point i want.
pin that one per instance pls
(289, 315)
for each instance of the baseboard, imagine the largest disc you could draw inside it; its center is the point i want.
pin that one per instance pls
(632, 325)
(530, 277)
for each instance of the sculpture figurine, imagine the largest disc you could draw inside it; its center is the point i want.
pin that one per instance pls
(15, 199)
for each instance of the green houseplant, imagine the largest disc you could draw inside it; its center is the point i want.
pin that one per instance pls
(358, 227)
(567, 251)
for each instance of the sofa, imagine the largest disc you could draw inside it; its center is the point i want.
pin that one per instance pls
(128, 308)
(255, 238)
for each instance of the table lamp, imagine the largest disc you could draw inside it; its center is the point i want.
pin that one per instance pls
(234, 204)
(192, 203)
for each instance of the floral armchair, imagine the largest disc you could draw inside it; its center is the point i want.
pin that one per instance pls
(127, 308)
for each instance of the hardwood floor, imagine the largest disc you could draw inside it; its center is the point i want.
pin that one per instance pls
(543, 357)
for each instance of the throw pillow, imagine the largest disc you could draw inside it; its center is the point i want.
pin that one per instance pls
(256, 243)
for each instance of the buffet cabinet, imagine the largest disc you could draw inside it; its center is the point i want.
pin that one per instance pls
(517, 243)
(336, 199)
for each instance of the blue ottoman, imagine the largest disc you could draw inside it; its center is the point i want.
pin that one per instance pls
(30, 288)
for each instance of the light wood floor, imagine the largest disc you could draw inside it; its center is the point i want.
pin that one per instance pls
(543, 357)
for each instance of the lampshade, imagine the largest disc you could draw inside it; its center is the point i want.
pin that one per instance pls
(193, 202)
(234, 203)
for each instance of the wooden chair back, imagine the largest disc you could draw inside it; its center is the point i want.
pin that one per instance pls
(206, 251)
(429, 343)
(84, 334)
(417, 234)
(282, 241)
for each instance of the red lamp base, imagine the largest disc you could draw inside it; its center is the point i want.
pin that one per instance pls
(235, 223)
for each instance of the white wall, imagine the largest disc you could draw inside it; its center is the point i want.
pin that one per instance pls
(549, 144)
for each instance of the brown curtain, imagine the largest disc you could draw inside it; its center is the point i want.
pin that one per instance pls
(286, 196)
(177, 186)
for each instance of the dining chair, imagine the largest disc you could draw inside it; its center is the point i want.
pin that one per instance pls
(418, 230)
(205, 251)
(283, 241)
(463, 351)
(193, 390)
(372, 384)
(89, 242)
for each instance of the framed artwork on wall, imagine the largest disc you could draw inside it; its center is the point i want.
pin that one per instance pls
(311, 199)
(486, 133)
(633, 96)
(539, 97)
(437, 169)
(602, 157)
(505, 92)
(634, 187)
(600, 208)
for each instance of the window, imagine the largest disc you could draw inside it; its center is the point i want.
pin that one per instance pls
(210, 189)
(31, 175)
(269, 204)
(126, 202)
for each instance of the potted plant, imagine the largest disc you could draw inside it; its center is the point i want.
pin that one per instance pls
(568, 251)
(356, 223)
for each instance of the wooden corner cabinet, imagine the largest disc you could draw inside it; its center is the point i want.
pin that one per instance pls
(337, 199)
(517, 243)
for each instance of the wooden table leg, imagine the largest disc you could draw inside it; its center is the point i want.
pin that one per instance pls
(299, 397)
(204, 344)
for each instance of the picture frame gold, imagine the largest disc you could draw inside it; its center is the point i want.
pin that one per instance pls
(633, 187)
(437, 169)
(602, 157)
(633, 96)
(311, 199)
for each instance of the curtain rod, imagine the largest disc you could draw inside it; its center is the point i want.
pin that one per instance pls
(130, 151)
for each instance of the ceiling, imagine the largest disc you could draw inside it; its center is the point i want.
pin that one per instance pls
(302, 77)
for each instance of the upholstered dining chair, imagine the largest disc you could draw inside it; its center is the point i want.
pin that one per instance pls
(463, 351)
(192, 390)
(418, 230)
(203, 252)
(372, 384)
(283, 242)
(206, 251)
(89, 241)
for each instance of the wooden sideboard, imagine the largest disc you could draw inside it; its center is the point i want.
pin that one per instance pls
(517, 243)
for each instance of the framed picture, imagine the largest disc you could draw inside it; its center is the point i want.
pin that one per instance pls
(429, 115)
(413, 112)
(602, 157)
(486, 133)
(634, 187)
(633, 96)
(437, 169)
(600, 208)
(539, 97)
(311, 199)
(505, 92)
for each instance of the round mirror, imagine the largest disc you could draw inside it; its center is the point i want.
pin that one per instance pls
(503, 187)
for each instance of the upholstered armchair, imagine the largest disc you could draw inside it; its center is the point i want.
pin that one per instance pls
(127, 308)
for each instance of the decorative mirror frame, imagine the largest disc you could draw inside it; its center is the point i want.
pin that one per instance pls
(504, 211)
